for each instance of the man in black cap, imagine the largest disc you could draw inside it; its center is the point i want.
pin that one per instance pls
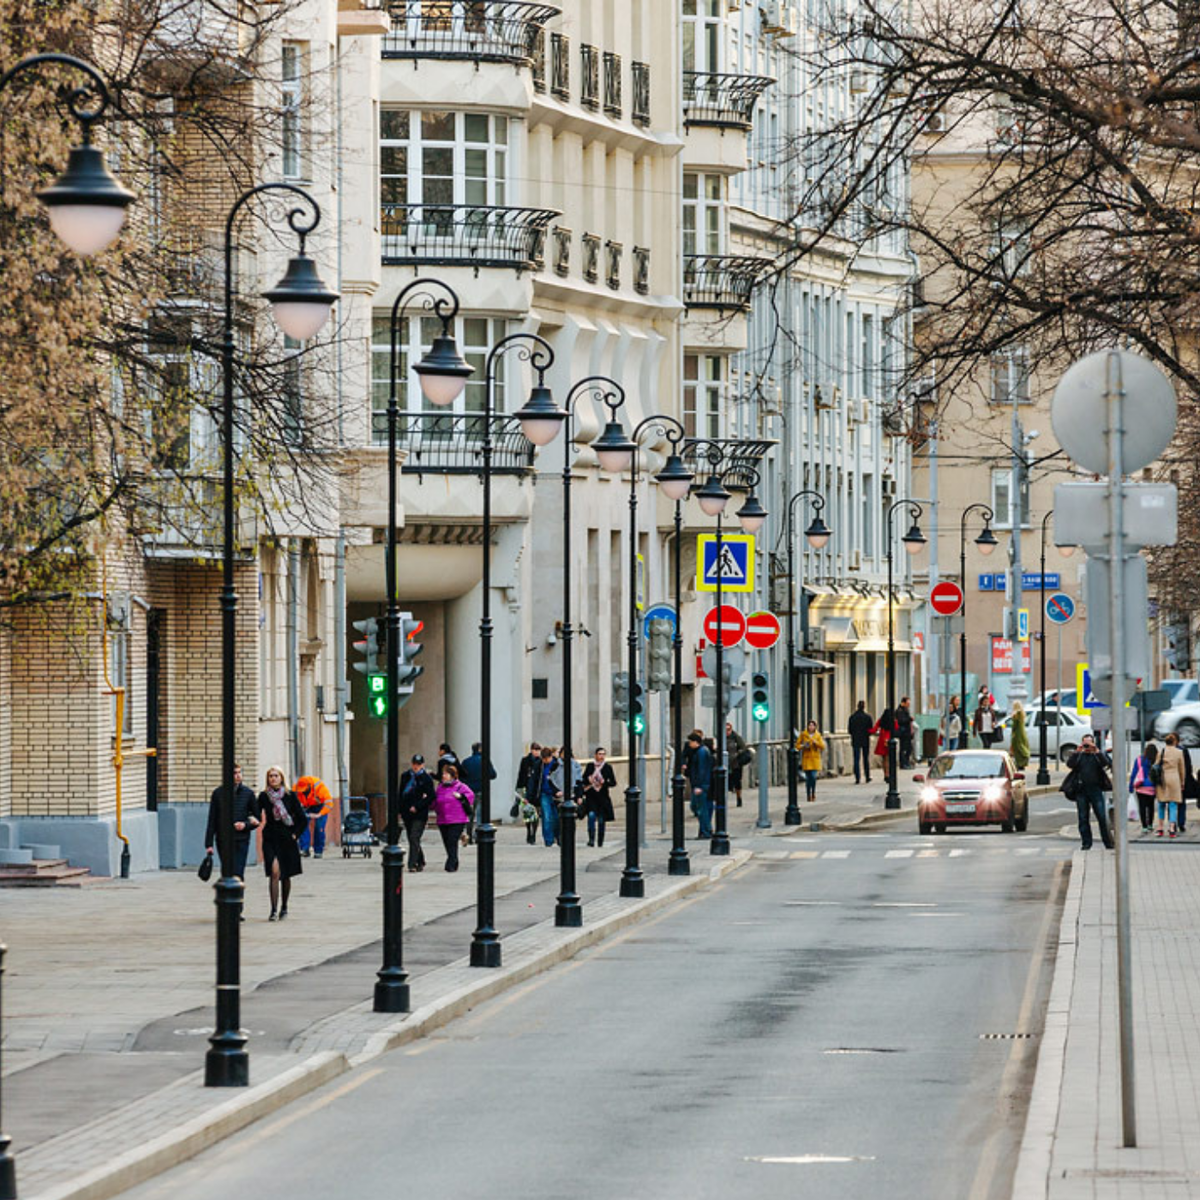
(417, 792)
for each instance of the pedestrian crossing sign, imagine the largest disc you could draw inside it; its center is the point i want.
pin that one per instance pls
(736, 562)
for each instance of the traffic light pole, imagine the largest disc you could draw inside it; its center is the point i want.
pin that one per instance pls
(720, 838)
(892, 800)
(1043, 772)
(989, 516)
(679, 862)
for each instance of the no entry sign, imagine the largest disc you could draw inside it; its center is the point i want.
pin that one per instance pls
(946, 598)
(725, 622)
(762, 630)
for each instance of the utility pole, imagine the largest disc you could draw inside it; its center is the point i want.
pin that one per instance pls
(1017, 689)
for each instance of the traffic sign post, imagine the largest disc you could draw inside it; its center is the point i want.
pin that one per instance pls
(1060, 608)
(762, 630)
(946, 598)
(726, 623)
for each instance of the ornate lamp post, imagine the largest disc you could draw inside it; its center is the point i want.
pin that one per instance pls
(986, 543)
(913, 540)
(818, 535)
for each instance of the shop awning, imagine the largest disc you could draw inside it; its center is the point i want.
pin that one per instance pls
(802, 663)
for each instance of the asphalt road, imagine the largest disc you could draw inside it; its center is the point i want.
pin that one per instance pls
(835, 1021)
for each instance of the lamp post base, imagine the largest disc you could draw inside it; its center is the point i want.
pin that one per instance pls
(485, 950)
(679, 863)
(720, 844)
(227, 1066)
(568, 912)
(8, 1172)
(792, 815)
(633, 883)
(1043, 777)
(391, 991)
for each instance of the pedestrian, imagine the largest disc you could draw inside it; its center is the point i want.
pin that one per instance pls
(860, 724)
(445, 755)
(471, 773)
(1190, 789)
(1168, 777)
(1141, 785)
(283, 820)
(598, 780)
(417, 794)
(953, 729)
(884, 730)
(454, 804)
(811, 746)
(700, 777)
(526, 801)
(904, 732)
(983, 724)
(739, 759)
(1086, 782)
(317, 802)
(1019, 742)
(245, 819)
(549, 795)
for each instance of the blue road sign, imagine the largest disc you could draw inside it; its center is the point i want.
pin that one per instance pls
(1031, 581)
(1085, 698)
(660, 612)
(737, 562)
(987, 582)
(1060, 608)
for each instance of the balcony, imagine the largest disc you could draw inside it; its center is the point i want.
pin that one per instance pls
(721, 281)
(589, 77)
(612, 85)
(452, 443)
(504, 31)
(640, 78)
(464, 235)
(721, 101)
(641, 270)
(742, 458)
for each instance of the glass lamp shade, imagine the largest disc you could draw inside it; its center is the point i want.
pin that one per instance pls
(713, 497)
(675, 479)
(443, 372)
(300, 302)
(752, 516)
(914, 539)
(1066, 551)
(541, 418)
(86, 205)
(613, 449)
(986, 541)
(818, 534)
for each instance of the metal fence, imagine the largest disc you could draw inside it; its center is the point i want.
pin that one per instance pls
(480, 30)
(468, 235)
(452, 443)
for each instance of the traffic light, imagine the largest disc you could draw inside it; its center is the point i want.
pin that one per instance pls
(760, 696)
(658, 674)
(368, 646)
(377, 695)
(409, 672)
(620, 696)
(637, 709)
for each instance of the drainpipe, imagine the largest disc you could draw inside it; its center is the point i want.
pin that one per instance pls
(293, 659)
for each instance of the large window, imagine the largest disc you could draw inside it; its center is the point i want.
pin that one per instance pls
(1002, 504)
(702, 29)
(1010, 375)
(182, 435)
(703, 392)
(703, 214)
(292, 131)
(439, 157)
(476, 336)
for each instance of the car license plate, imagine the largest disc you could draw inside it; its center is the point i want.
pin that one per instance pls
(954, 809)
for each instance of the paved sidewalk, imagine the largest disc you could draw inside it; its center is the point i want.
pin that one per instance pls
(1072, 1143)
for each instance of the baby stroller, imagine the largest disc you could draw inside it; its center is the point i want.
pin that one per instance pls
(357, 837)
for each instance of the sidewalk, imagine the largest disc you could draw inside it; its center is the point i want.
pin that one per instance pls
(1072, 1143)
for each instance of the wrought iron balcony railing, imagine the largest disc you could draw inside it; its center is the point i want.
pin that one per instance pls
(641, 270)
(612, 84)
(640, 81)
(465, 235)
(722, 281)
(589, 76)
(591, 257)
(560, 66)
(741, 460)
(452, 443)
(479, 30)
(724, 101)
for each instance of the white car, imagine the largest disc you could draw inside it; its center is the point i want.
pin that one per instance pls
(1183, 717)
(1061, 740)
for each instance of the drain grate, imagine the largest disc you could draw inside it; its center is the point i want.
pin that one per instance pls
(1006, 1037)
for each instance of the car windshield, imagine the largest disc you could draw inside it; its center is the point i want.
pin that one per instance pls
(967, 766)
(1180, 689)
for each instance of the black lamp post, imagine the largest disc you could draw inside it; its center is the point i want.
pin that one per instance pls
(87, 207)
(986, 543)
(301, 304)
(818, 535)
(540, 420)
(913, 540)
(443, 374)
(613, 452)
(1043, 772)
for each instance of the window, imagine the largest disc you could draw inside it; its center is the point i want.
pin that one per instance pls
(1002, 498)
(703, 389)
(702, 35)
(440, 157)
(292, 88)
(703, 214)
(476, 336)
(562, 250)
(612, 84)
(867, 357)
(1010, 251)
(292, 397)
(1010, 375)
(613, 252)
(640, 78)
(179, 430)
(560, 66)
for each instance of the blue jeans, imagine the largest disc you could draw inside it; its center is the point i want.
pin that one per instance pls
(593, 822)
(1092, 801)
(863, 753)
(810, 783)
(241, 851)
(549, 820)
(314, 830)
(702, 806)
(1168, 810)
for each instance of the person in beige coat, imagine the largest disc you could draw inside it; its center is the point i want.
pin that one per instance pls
(1168, 786)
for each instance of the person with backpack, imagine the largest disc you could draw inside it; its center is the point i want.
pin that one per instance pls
(1141, 785)
(1168, 778)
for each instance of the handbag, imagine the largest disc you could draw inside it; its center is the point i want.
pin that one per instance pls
(205, 869)
(516, 808)
(1071, 787)
(745, 758)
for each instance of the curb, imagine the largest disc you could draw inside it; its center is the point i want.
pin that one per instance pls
(177, 1145)
(1034, 1161)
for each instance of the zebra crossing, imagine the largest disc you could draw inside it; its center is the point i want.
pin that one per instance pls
(916, 853)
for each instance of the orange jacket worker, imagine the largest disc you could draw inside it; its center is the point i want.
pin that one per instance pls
(318, 804)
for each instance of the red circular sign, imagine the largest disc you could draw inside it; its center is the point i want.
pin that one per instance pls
(762, 630)
(946, 599)
(728, 622)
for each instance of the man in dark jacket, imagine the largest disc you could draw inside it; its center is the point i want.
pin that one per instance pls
(739, 755)
(470, 771)
(1089, 767)
(700, 768)
(904, 731)
(417, 793)
(245, 805)
(860, 725)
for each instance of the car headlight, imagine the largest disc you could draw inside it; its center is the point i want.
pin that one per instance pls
(993, 791)
(929, 795)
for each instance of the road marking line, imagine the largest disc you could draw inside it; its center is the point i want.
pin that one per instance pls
(904, 904)
(803, 1160)
(937, 914)
(929, 854)
(958, 853)
(1033, 850)
(898, 854)
(835, 854)
(804, 854)
(810, 903)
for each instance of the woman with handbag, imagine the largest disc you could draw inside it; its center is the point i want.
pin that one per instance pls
(1168, 777)
(1141, 785)
(283, 821)
(454, 804)
(811, 745)
(598, 778)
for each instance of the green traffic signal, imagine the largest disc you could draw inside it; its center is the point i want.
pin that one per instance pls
(760, 696)
(377, 695)
(762, 712)
(378, 706)
(639, 724)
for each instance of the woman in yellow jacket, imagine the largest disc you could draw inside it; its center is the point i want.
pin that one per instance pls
(811, 746)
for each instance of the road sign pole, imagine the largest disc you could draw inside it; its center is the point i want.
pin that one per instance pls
(764, 764)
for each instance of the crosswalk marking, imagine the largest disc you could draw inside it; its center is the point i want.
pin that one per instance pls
(927, 852)
(900, 854)
(804, 854)
(836, 854)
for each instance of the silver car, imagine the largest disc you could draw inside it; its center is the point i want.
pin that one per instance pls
(1183, 717)
(1062, 740)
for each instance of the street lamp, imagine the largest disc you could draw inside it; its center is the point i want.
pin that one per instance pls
(540, 421)
(913, 540)
(817, 535)
(985, 543)
(1043, 772)
(443, 374)
(301, 304)
(614, 452)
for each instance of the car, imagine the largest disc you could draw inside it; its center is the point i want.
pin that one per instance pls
(1183, 717)
(1050, 700)
(1063, 731)
(972, 787)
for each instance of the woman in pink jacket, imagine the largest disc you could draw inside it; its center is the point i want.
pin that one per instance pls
(453, 804)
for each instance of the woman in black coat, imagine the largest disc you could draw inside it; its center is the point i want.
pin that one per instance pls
(283, 821)
(596, 800)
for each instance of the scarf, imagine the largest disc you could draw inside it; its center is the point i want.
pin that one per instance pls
(275, 795)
